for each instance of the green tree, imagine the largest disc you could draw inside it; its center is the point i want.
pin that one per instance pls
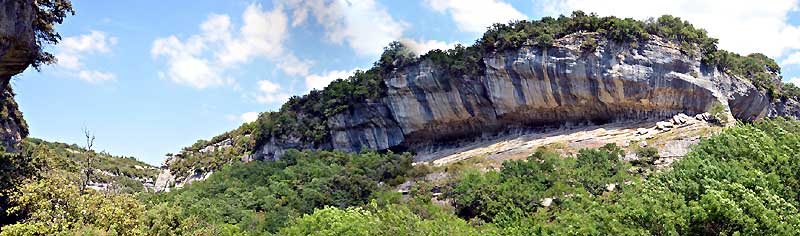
(48, 14)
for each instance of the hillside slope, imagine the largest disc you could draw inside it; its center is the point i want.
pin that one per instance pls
(110, 173)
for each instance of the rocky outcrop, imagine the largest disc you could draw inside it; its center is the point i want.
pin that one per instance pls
(18, 49)
(529, 90)
(785, 107)
(17, 40)
(534, 88)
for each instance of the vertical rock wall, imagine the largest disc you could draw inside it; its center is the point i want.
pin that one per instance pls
(17, 51)
(533, 88)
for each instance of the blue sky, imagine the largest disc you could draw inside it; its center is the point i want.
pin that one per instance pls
(150, 77)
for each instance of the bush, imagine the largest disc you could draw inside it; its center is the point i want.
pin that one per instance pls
(264, 196)
(647, 155)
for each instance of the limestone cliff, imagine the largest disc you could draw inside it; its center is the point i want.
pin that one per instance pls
(18, 50)
(526, 89)
(533, 88)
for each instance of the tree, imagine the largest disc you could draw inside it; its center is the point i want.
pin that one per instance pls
(89, 153)
(48, 14)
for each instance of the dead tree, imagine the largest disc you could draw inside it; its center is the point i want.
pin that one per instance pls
(88, 168)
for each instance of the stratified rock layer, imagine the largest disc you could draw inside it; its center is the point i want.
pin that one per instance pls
(532, 88)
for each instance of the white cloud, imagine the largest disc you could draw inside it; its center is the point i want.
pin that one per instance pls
(364, 25)
(262, 34)
(320, 81)
(792, 59)
(420, 47)
(95, 41)
(742, 26)
(476, 15)
(69, 61)
(202, 60)
(291, 65)
(270, 93)
(93, 76)
(246, 117)
(249, 116)
(73, 50)
(795, 81)
(185, 64)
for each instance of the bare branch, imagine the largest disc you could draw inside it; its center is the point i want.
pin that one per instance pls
(89, 153)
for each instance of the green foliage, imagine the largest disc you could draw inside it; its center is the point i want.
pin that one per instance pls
(761, 70)
(790, 91)
(191, 158)
(128, 171)
(542, 32)
(718, 112)
(53, 205)
(519, 189)
(390, 220)
(263, 196)
(589, 44)
(740, 182)
(14, 169)
(9, 110)
(305, 118)
(647, 156)
(48, 14)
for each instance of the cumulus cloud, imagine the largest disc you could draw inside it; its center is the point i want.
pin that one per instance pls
(246, 117)
(420, 47)
(792, 59)
(185, 64)
(795, 81)
(93, 76)
(262, 34)
(249, 116)
(364, 25)
(476, 15)
(202, 60)
(291, 65)
(95, 41)
(742, 26)
(320, 81)
(69, 61)
(270, 93)
(73, 50)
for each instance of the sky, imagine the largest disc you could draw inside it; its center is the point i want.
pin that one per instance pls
(150, 77)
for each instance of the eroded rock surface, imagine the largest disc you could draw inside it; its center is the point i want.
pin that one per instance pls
(18, 50)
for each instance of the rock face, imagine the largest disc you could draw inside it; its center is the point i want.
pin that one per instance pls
(531, 88)
(17, 51)
(164, 181)
(785, 107)
(17, 41)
